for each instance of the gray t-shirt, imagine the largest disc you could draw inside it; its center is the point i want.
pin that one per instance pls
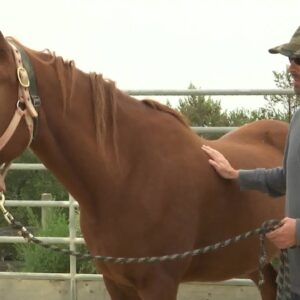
(279, 181)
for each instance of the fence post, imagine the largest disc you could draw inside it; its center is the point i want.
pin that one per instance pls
(45, 210)
(72, 235)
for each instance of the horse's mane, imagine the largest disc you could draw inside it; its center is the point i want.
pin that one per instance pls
(164, 108)
(67, 76)
(104, 111)
(65, 69)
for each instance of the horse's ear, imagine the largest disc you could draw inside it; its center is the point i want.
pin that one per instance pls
(2, 40)
(3, 46)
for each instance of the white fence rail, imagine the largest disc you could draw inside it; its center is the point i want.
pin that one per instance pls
(71, 204)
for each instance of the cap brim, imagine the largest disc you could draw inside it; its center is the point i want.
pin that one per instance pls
(286, 49)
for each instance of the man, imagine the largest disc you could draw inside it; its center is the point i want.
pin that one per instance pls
(281, 180)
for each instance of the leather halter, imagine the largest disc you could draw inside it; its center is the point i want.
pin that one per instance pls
(26, 104)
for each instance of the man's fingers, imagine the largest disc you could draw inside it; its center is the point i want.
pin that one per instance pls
(211, 152)
(213, 163)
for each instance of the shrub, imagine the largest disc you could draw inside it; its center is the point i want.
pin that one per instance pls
(37, 258)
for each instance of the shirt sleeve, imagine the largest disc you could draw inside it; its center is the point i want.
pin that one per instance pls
(271, 181)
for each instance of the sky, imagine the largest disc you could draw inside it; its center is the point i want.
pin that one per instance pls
(162, 44)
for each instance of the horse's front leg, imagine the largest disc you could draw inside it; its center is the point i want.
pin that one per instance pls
(119, 292)
(159, 288)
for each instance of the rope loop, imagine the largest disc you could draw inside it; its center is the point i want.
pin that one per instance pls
(283, 279)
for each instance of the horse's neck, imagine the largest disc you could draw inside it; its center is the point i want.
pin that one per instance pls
(66, 141)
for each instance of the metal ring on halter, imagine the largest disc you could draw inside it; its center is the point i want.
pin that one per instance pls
(7, 215)
(19, 106)
(23, 77)
(2, 200)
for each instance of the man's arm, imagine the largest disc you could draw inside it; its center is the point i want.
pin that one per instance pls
(270, 181)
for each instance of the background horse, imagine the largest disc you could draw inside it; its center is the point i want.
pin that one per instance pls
(143, 184)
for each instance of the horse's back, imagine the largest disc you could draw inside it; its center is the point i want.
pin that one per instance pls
(269, 132)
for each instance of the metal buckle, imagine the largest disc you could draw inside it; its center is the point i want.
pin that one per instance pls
(36, 101)
(23, 77)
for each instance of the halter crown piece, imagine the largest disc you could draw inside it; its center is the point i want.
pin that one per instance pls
(25, 106)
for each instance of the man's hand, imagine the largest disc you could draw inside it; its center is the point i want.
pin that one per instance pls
(284, 236)
(220, 163)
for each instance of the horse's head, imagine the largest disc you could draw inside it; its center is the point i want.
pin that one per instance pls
(15, 117)
(16, 108)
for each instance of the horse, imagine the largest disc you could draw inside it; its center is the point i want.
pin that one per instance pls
(143, 184)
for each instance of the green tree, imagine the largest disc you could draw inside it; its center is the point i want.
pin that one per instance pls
(27, 185)
(282, 107)
(38, 259)
(241, 116)
(202, 111)
(238, 117)
(30, 184)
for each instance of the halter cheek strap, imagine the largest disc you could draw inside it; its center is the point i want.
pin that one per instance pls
(24, 108)
(8, 133)
(24, 81)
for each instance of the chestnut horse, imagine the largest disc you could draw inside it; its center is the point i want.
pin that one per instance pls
(143, 184)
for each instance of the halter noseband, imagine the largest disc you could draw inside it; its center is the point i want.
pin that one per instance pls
(26, 105)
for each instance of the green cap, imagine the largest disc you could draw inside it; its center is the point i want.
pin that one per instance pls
(290, 49)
